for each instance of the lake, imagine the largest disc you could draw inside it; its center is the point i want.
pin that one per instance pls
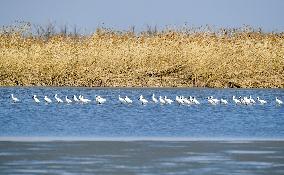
(41, 138)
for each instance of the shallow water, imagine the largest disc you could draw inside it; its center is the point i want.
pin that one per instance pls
(113, 119)
(140, 139)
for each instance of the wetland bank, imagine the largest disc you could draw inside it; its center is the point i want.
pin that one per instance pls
(240, 57)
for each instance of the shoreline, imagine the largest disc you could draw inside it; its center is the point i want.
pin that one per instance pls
(131, 139)
(165, 88)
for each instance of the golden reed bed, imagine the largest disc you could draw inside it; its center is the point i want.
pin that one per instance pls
(245, 59)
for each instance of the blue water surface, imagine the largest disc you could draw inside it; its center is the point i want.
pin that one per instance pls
(113, 119)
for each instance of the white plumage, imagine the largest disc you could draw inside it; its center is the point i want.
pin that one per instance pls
(15, 99)
(100, 100)
(195, 101)
(261, 101)
(154, 99)
(128, 100)
(162, 101)
(83, 100)
(251, 100)
(122, 100)
(68, 100)
(237, 101)
(223, 101)
(167, 100)
(75, 98)
(179, 100)
(278, 101)
(36, 99)
(58, 99)
(47, 100)
(143, 100)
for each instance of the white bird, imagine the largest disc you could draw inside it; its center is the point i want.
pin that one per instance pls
(278, 101)
(75, 98)
(100, 100)
(186, 100)
(36, 99)
(162, 101)
(154, 99)
(215, 100)
(122, 100)
(68, 100)
(143, 100)
(83, 100)
(261, 101)
(223, 101)
(246, 101)
(47, 100)
(58, 99)
(195, 101)
(237, 101)
(168, 101)
(210, 101)
(179, 100)
(251, 100)
(128, 100)
(15, 99)
(190, 99)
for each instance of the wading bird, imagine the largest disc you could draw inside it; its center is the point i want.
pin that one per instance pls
(223, 101)
(122, 100)
(58, 99)
(261, 101)
(100, 100)
(278, 101)
(83, 100)
(47, 100)
(128, 100)
(154, 99)
(143, 100)
(36, 99)
(68, 100)
(168, 101)
(15, 99)
(75, 98)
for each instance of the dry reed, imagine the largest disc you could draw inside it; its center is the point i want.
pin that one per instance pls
(225, 58)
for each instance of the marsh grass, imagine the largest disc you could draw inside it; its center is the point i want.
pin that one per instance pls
(244, 57)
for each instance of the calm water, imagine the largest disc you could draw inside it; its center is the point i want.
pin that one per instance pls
(29, 123)
(143, 157)
(113, 119)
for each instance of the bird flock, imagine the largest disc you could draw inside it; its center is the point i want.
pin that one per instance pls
(163, 100)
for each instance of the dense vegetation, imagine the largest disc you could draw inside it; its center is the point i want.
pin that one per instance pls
(242, 57)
